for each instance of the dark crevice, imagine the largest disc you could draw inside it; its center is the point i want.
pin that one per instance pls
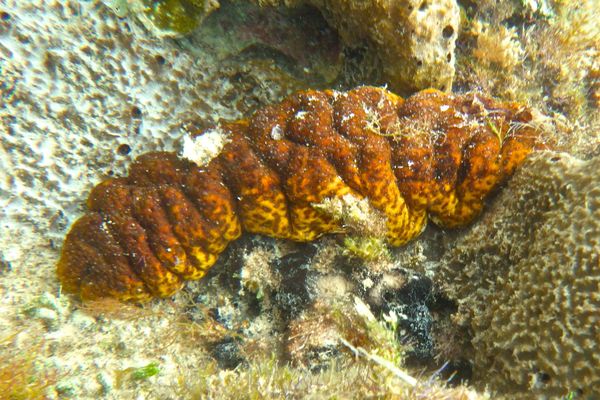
(272, 168)
(154, 243)
(172, 222)
(118, 240)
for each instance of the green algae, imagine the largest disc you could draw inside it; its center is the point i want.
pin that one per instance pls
(146, 371)
(366, 248)
(177, 16)
(166, 17)
(136, 374)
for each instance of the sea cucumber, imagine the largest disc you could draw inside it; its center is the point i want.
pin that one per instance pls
(433, 155)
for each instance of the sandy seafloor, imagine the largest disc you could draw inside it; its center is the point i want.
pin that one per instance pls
(77, 84)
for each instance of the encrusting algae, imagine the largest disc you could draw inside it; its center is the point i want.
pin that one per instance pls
(433, 155)
(167, 17)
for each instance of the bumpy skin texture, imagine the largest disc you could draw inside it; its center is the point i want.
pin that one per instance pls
(435, 155)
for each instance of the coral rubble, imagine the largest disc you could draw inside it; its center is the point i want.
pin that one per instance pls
(527, 278)
(433, 155)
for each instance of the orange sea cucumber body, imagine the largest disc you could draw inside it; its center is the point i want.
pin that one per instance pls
(433, 155)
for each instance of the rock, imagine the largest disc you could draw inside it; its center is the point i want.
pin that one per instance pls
(413, 39)
(527, 278)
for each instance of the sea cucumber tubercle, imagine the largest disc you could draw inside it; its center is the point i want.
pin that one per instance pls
(433, 155)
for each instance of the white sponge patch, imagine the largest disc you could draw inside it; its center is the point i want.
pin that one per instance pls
(203, 148)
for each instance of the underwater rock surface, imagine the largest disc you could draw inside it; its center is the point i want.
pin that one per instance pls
(411, 41)
(527, 280)
(84, 92)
